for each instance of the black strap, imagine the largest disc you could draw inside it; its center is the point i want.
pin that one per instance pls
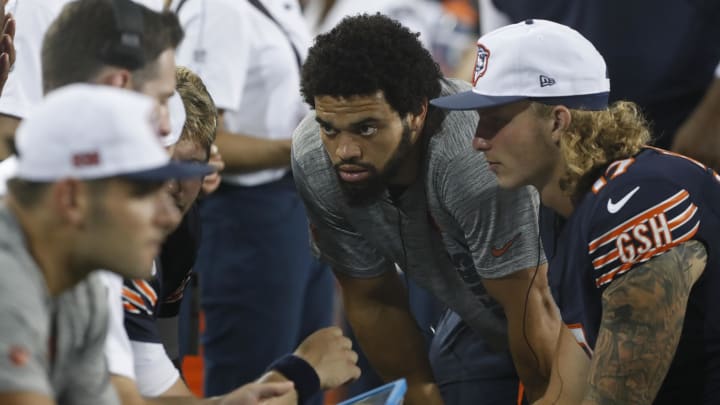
(265, 11)
(182, 3)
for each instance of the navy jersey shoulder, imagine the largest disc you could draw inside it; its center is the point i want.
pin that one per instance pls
(640, 208)
(146, 300)
(178, 256)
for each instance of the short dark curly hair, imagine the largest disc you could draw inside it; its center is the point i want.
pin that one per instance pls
(366, 53)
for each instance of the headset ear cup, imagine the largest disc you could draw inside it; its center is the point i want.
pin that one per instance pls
(126, 50)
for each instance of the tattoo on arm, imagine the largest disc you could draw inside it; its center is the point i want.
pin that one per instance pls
(642, 321)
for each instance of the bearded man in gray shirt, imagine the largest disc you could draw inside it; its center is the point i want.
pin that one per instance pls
(390, 181)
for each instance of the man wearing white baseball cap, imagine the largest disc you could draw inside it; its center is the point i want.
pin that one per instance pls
(87, 193)
(529, 60)
(630, 231)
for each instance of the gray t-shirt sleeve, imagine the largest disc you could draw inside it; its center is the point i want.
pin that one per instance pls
(23, 325)
(499, 226)
(23, 364)
(90, 382)
(332, 238)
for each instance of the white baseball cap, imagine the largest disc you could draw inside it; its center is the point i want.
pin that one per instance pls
(536, 60)
(176, 109)
(8, 167)
(88, 131)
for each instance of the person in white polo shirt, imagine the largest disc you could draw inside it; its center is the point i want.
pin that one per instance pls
(256, 269)
(24, 87)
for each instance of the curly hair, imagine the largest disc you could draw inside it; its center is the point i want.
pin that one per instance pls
(595, 139)
(364, 54)
(201, 115)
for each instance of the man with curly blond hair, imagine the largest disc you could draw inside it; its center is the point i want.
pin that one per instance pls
(630, 231)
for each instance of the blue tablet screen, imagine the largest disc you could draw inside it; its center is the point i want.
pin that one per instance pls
(389, 394)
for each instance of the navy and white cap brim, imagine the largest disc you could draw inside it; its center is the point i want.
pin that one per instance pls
(172, 170)
(469, 100)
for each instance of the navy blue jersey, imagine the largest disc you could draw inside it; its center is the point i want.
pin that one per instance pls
(640, 208)
(146, 300)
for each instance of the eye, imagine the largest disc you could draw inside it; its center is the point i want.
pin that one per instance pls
(493, 124)
(163, 100)
(367, 130)
(328, 130)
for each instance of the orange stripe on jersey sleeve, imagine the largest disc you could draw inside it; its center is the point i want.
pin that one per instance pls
(598, 185)
(134, 299)
(640, 218)
(683, 218)
(674, 224)
(609, 276)
(132, 296)
(147, 290)
(128, 307)
(603, 260)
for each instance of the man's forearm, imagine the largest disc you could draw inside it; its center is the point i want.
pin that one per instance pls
(183, 401)
(533, 325)
(243, 153)
(389, 336)
(391, 341)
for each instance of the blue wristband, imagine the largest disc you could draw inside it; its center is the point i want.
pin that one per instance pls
(300, 372)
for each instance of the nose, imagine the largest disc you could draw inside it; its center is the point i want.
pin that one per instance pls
(481, 141)
(167, 216)
(481, 144)
(347, 148)
(173, 186)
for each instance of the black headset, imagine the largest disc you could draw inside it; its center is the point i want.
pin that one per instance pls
(126, 50)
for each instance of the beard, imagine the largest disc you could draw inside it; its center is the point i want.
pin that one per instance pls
(365, 192)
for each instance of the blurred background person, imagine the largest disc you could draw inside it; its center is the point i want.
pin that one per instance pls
(447, 28)
(256, 270)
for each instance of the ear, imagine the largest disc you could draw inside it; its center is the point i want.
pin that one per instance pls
(70, 200)
(115, 77)
(417, 121)
(561, 119)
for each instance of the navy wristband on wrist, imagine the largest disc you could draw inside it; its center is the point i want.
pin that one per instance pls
(300, 372)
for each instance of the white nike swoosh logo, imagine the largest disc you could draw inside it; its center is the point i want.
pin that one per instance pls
(615, 207)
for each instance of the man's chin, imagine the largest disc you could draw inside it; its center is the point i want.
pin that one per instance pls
(361, 195)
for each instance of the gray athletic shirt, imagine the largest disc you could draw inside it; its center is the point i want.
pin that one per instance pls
(78, 375)
(447, 231)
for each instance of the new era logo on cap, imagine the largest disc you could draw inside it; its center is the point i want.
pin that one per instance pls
(546, 81)
(535, 60)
